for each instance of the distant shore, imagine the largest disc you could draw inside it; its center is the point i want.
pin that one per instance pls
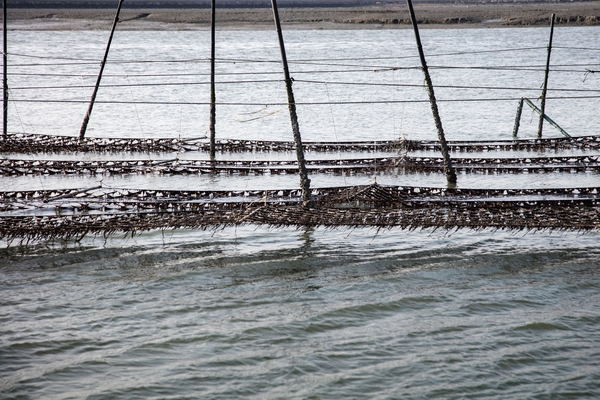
(371, 17)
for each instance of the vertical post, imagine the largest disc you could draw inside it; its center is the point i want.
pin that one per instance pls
(448, 169)
(86, 119)
(4, 75)
(545, 87)
(518, 118)
(304, 180)
(212, 82)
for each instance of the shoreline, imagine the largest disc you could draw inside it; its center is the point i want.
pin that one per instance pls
(371, 17)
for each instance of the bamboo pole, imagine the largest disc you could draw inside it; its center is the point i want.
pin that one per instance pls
(304, 180)
(448, 169)
(212, 81)
(537, 110)
(86, 119)
(4, 75)
(545, 87)
(518, 118)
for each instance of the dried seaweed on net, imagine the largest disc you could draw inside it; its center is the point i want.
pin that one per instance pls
(323, 195)
(362, 206)
(15, 167)
(568, 216)
(504, 164)
(30, 143)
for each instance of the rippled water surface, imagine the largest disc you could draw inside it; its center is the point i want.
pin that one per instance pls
(258, 313)
(303, 314)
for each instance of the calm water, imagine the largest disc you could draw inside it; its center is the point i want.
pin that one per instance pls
(252, 312)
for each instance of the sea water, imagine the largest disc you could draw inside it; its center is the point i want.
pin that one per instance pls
(310, 313)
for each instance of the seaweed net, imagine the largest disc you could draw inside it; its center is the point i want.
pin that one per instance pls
(15, 167)
(73, 213)
(28, 143)
(36, 215)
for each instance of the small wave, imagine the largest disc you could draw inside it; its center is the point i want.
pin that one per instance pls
(542, 326)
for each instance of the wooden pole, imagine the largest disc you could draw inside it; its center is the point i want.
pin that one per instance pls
(518, 118)
(547, 118)
(545, 87)
(4, 75)
(212, 81)
(304, 180)
(86, 119)
(448, 169)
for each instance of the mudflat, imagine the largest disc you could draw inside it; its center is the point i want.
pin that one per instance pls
(370, 17)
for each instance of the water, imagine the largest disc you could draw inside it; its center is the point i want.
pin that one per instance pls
(250, 72)
(172, 67)
(317, 314)
(252, 312)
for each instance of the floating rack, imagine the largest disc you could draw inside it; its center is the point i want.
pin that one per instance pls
(33, 143)
(15, 167)
(29, 215)
(582, 163)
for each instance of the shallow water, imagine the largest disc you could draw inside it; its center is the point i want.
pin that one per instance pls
(252, 312)
(337, 66)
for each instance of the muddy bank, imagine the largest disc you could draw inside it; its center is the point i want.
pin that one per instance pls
(375, 17)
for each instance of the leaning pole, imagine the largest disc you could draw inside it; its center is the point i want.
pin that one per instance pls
(448, 169)
(545, 87)
(86, 119)
(212, 80)
(4, 75)
(304, 180)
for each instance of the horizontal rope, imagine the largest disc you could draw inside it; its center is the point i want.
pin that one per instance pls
(299, 60)
(197, 74)
(576, 48)
(249, 60)
(443, 86)
(303, 81)
(297, 103)
(142, 85)
(366, 68)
